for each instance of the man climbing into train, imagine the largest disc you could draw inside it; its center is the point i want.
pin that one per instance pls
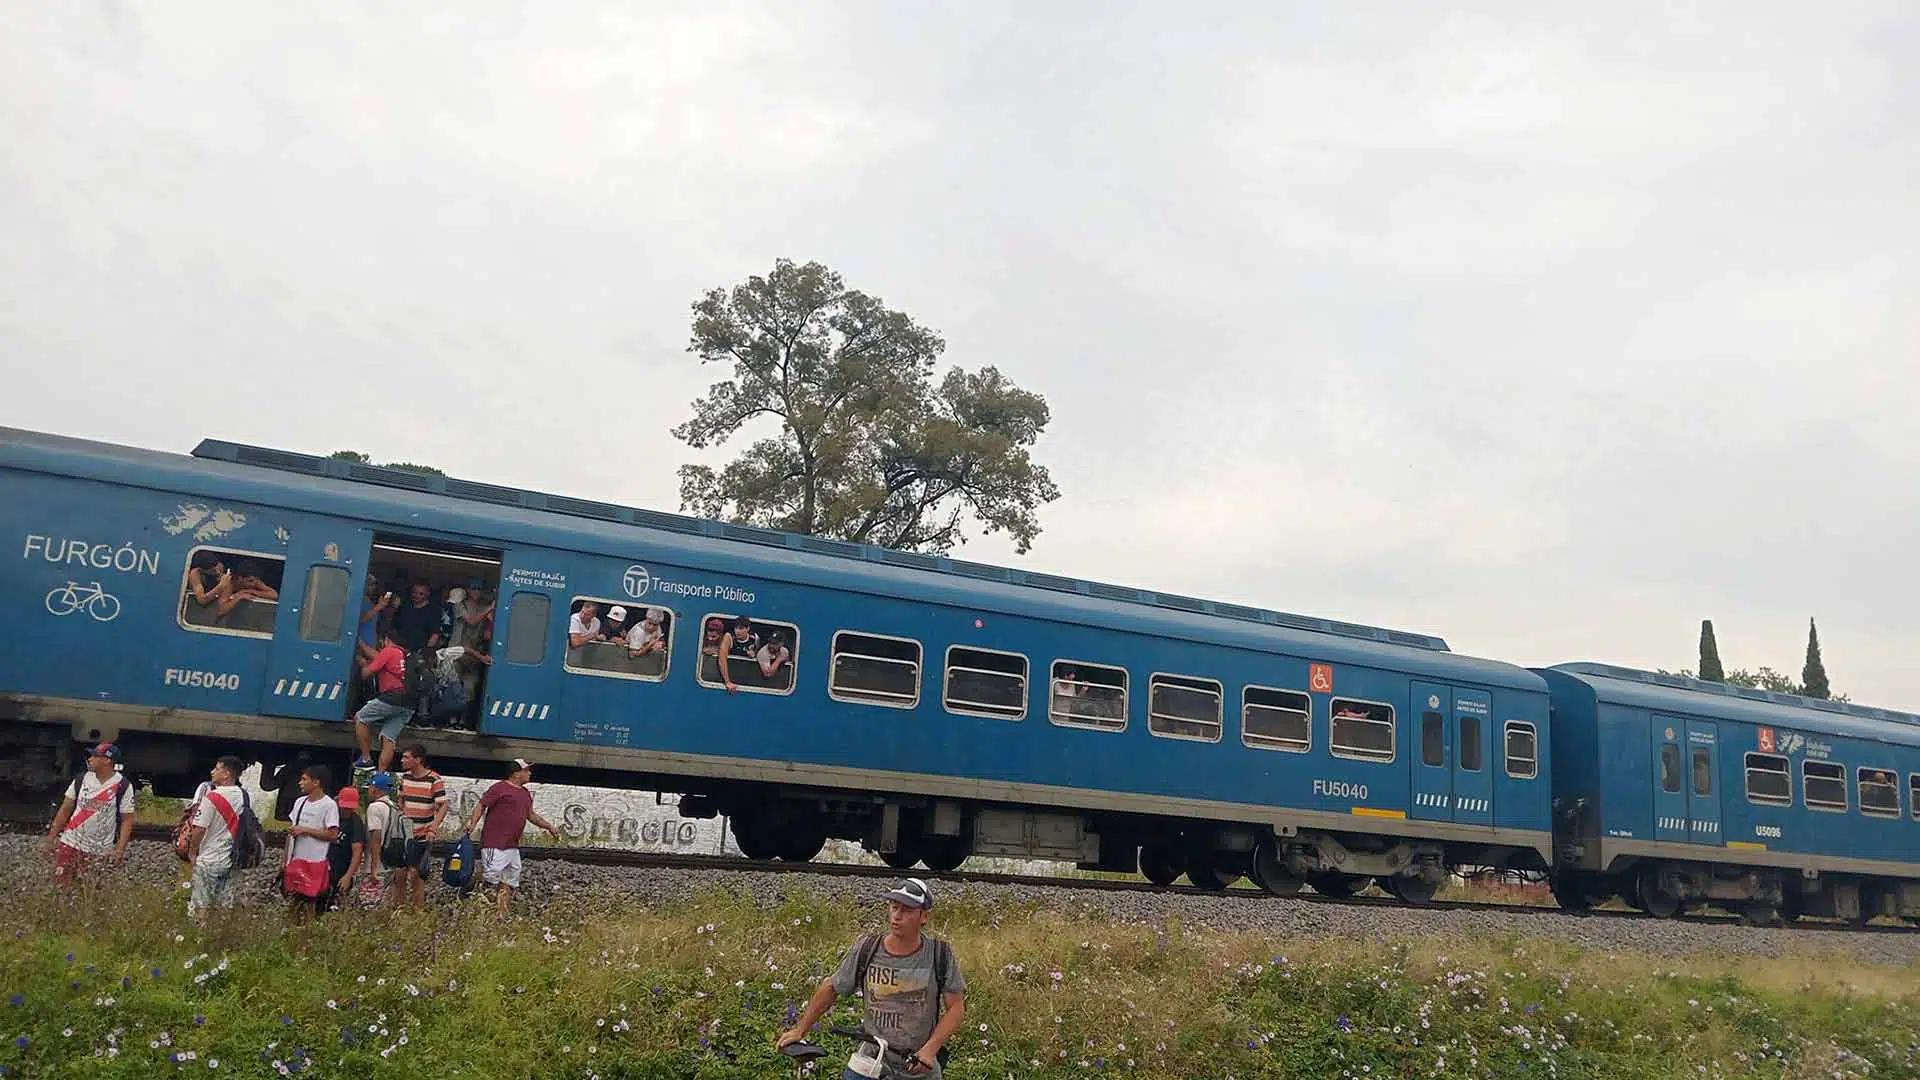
(392, 709)
(915, 995)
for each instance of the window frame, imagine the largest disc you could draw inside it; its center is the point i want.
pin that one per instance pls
(1269, 742)
(1913, 795)
(1746, 773)
(1126, 697)
(349, 618)
(182, 596)
(919, 669)
(1219, 707)
(1896, 812)
(1506, 757)
(673, 623)
(1393, 732)
(1679, 769)
(946, 683)
(1439, 729)
(700, 665)
(1846, 793)
(1695, 758)
(1471, 722)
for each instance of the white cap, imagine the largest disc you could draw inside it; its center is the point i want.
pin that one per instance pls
(456, 596)
(616, 613)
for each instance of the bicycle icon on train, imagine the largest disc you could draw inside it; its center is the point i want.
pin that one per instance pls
(94, 600)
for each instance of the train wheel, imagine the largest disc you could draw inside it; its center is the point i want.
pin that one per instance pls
(1570, 891)
(802, 840)
(1267, 872)
(756, 840)
(904, 859)
(1204, 876)
(1791, 907)
(1159, 865)
(1337, 885)
(1656, 899)
(944, 854)
(1412, 891)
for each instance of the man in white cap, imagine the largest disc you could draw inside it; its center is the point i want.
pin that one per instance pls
(915, 995)
(507, 806)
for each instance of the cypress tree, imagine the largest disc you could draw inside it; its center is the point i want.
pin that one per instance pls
(1710, 669)
(1813, 677)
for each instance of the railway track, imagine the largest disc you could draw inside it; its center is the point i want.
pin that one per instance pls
(644, 860)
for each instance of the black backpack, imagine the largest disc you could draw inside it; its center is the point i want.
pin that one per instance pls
(250, 838)
(393, 846)
(420, 677)
(942, 963)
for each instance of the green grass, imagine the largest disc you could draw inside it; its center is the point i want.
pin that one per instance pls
(700, 989)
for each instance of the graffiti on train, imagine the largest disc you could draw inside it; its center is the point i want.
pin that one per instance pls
(605, 818)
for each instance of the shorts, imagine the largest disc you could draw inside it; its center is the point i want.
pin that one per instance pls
(211, 888)
(419, 855)
(70, 864)
(500, 866)
(391, 719)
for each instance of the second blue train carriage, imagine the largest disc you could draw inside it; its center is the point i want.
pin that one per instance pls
(1671, 791)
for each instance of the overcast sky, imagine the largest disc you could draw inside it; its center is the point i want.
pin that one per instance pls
(1551, 333)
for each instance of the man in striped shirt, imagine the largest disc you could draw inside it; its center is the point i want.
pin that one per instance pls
(423, 802)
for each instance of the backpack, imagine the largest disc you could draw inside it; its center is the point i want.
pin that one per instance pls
(459, 867)
(183, 832)
(249, 837)
(419, 677)
(942, 963)
(393, 845)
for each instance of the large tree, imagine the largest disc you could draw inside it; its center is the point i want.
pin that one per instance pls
(1710, 668)
(870, 446)
(1813, 677)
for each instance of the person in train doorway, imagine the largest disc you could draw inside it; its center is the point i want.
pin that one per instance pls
(418, 620)
(914, 991)
(507, 807)
(391, 709)
(423, 806)
(95, 822)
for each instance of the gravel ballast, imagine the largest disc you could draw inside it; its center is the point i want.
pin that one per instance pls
(24, 870)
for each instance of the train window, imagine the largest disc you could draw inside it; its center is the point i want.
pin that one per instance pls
(1360, 729)
(1768, 780)
(1181, 707)
(1702, 772)
(756, 655)
(1879, 792)
(1823, 784)
(1472, 754)
(1433, 739)
(618, 641)
(1523, 750)
(527, 627)
(1088, 696)
(1669, 767)
(1276, 719)
(984, 682)
(1913, 794)
(323, 614)
(875, 670)
(224, 592)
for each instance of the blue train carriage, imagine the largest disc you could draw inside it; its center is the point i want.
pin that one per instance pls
(929, 708)
(1671, 792)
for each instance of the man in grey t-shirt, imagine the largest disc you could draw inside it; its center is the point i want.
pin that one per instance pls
(915, 994)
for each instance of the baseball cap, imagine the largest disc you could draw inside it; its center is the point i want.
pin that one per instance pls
(349, 798)
(912, 892)
(382, 781)
(456, 596)
(518, 764)
(616, 613)
(106, 750)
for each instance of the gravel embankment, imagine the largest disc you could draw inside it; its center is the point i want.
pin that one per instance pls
(24, 870)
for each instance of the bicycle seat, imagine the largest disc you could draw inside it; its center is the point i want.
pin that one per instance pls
(803, 1051)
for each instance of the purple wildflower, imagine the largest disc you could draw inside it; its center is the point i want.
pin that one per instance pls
(69, 958)
(21, 1042)
(17, 1000)
(199, 1021)
(1344, 1024)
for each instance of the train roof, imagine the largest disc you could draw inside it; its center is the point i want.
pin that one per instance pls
(1723, 701)
(410, 501)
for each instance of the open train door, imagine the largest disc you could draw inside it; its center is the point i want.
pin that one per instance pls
(310, 667)
(529, 638)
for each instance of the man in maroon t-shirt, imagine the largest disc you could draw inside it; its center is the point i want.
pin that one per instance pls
(507, 806)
